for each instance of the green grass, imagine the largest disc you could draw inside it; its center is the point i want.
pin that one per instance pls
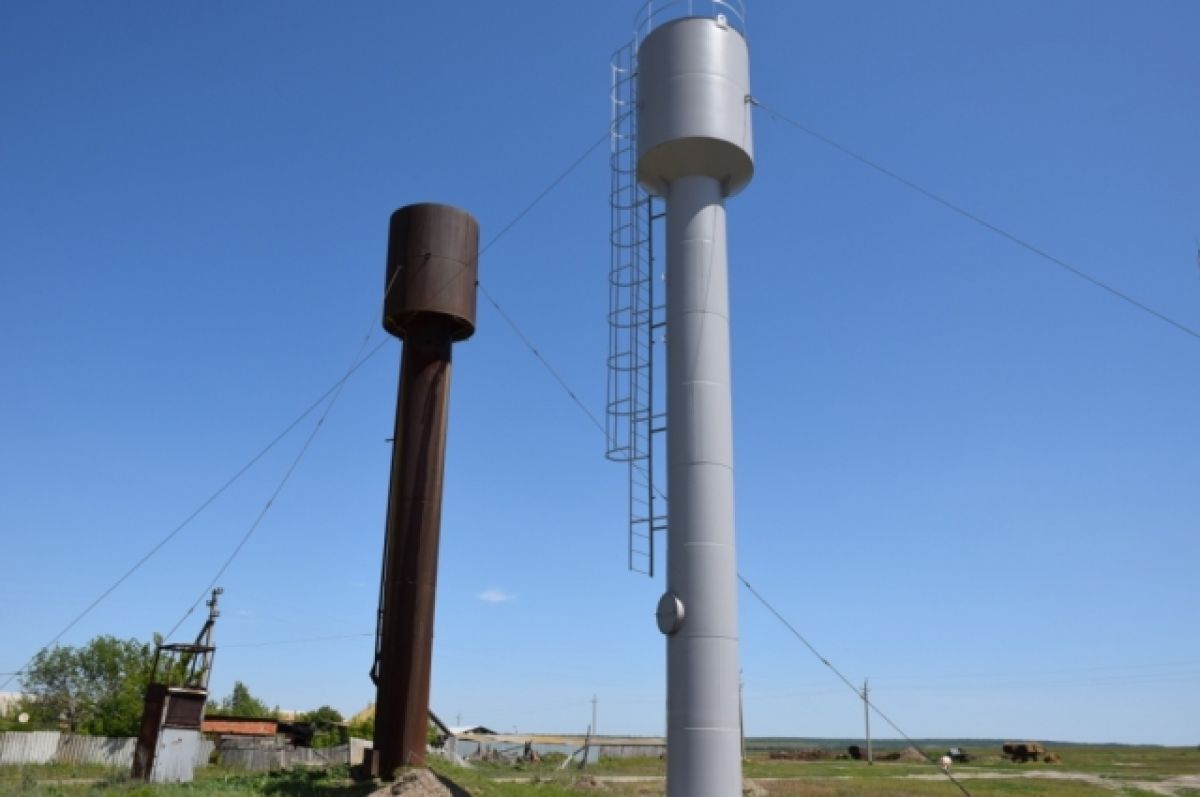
(43, 781)
(1120, 767)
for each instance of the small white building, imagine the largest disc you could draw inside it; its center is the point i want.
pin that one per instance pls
(8, 702)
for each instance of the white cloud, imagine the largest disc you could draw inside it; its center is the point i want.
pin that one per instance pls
(495, 596)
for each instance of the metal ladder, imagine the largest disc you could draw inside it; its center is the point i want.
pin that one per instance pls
(635, 409)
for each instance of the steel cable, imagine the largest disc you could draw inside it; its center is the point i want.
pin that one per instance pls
(946, 203)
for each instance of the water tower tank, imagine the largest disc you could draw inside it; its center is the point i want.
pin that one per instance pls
(693, 105)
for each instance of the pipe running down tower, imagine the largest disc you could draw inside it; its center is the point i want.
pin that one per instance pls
(429, 302)
(694, 150)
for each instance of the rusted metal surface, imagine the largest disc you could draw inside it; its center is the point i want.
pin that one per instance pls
(241, 726)
(153, 704)
(185, 708)
(430, 303)
(431, 270)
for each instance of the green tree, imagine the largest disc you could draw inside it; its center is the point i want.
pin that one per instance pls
(240, 703)
(364, 728)
(96, 689)
(326, 723)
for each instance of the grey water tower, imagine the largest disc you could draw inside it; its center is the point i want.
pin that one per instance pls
(694, 150)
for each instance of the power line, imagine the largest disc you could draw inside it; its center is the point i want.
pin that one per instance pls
(1103, 671)
(336, 387)
(337, 392)
(563, 175)
(267, 506)
(300, 641)
(528, 343)
(316, 429)
(859, 695)
(571, 394)
(545, 363)
(546, 191)
(946, 203)
(1058, 684)
(196, 512)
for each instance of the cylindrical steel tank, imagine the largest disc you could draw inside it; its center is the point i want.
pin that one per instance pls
(431, 270)
(693, 105)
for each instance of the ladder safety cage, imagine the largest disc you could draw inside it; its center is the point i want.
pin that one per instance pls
(635, 413)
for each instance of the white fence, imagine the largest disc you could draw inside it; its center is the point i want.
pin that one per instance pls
(591, 749)
(36, 747)
(262, 755)
(53, 747)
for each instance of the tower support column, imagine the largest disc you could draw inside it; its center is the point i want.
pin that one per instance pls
(429, 302)
(703, 735)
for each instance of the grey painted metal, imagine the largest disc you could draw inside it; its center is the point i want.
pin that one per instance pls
(113, 751)
(693, 109)
(29, 747)
(204, 752)
(175, 758)
(655, 13)
(636, 411)
(694, 149)
(702, 654)
(55, 747)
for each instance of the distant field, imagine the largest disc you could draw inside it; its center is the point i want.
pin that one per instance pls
(1084, 770)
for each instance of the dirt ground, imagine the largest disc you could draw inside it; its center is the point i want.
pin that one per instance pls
(419, 783)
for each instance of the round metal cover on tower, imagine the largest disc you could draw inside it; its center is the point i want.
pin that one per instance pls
(669, 614)
(693, 105)
(432, 265)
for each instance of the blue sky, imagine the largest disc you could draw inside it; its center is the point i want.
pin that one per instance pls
(961, 471)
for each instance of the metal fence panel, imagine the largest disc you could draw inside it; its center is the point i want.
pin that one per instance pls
(106, 750)
(28, 747)
(204, 752)
(54, 747)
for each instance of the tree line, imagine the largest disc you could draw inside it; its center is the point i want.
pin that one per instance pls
(97, 689)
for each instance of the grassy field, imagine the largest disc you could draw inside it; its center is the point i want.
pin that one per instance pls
(1131, 771)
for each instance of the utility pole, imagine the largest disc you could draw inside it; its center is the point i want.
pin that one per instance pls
(593, 715)
(741, 714)
(867, 719)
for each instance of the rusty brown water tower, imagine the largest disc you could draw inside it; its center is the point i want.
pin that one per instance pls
(429, 302)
